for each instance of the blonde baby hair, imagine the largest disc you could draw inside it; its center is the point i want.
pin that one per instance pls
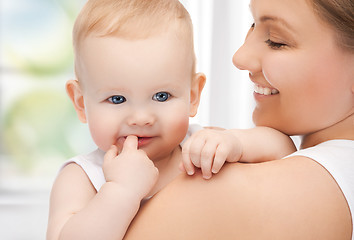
(131, 19)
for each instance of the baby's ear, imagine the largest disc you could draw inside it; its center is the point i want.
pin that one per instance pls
(74, 92)
(197, 86)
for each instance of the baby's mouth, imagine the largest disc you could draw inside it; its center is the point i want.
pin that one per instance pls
(265, 90)
(142, 141)
(143, 138)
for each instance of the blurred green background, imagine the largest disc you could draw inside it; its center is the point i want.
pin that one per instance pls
(39, 128)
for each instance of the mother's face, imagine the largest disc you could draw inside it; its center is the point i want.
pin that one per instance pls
(304, 81)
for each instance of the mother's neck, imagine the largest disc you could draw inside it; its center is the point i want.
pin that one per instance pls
(341, 130)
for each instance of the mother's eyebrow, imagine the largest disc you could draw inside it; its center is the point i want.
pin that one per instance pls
(264, 19)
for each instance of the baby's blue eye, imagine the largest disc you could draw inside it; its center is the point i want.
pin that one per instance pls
(161, 96)
(117, 99)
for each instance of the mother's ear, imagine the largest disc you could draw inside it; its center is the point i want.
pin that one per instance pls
(74, 92)
(197, 86)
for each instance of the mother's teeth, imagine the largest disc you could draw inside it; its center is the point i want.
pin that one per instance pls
(265, 91)
(274, 91)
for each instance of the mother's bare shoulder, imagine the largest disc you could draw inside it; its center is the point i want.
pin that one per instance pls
(293, 198)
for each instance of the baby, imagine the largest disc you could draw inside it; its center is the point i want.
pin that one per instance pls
(136, 88)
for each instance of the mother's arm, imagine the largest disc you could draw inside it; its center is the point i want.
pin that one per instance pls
(293, 198)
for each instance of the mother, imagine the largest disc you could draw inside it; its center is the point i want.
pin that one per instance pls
(303, 50)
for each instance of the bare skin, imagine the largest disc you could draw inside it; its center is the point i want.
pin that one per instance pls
(287, 199)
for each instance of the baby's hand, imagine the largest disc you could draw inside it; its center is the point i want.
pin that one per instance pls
(132, 169)
(208, 149)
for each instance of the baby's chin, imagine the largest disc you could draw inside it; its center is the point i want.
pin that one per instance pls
(158, 156)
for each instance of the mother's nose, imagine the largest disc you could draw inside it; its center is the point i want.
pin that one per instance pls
(247, 57)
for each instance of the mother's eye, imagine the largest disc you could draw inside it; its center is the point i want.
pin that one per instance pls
(275, 45)
(117, 99)
(161, 96)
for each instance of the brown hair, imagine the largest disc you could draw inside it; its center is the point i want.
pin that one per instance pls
(339, 14)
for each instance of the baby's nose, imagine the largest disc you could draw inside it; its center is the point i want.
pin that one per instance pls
(141, 118)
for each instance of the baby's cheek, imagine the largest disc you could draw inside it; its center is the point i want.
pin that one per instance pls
(102, 133)
(179, 127)
(182, 124)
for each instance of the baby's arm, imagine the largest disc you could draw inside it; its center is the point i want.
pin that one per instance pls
(78, 212)
(209, 149)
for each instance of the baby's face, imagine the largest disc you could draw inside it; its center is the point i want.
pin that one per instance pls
(137, 87)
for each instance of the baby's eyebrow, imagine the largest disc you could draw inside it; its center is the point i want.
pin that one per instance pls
(111, 90)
